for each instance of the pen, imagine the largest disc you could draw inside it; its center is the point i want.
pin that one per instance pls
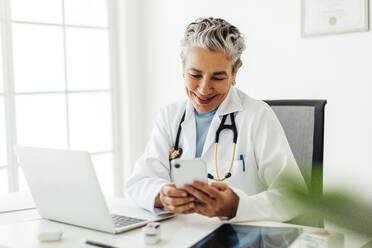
(94, 243)
(242, 159)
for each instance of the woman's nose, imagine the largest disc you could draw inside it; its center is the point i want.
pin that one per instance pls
(205, 87)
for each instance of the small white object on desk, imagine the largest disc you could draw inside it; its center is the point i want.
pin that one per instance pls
(50, 235)
(151, 233)
(322, 239)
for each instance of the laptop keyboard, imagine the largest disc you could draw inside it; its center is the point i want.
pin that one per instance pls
(121, 221)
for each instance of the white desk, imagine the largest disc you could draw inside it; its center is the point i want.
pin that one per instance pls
(20, 229)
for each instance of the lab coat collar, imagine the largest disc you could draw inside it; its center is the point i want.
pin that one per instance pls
(189, 128)
(231, 103)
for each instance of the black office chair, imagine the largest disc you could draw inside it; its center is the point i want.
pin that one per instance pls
(303, 124)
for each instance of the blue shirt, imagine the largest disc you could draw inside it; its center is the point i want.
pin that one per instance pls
(203, 121)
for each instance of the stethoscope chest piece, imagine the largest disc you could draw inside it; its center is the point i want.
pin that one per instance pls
(175, 153)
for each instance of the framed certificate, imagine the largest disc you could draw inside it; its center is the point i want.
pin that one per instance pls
(323, 17)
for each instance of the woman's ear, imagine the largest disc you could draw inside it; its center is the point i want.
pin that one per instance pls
(235, 72)
(238, 67)
(183, 68)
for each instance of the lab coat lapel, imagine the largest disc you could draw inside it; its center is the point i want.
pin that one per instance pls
(230, 104)
(189, 132)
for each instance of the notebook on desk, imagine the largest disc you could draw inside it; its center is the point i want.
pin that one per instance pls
(18, 201)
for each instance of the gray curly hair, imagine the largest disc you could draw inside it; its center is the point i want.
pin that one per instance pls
(214, 34)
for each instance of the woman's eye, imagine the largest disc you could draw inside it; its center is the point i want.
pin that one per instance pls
(195, 76)
(218, 79)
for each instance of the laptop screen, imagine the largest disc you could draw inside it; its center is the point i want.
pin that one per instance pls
(229, 235)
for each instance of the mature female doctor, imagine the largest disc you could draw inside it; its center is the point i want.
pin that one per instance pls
(247, 163)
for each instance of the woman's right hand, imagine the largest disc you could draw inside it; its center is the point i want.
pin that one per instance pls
(175, 200)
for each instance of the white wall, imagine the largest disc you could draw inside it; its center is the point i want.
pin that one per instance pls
(278, 64)
(131, 71)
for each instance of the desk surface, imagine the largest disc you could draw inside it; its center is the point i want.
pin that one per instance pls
(20, 229)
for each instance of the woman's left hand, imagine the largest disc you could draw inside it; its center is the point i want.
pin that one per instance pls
(217, 199)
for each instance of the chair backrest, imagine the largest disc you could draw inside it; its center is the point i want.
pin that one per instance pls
(303, 124)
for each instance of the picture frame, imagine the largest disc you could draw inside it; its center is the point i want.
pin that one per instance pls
(326, 17)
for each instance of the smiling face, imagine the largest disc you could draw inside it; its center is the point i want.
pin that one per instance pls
(208, 77)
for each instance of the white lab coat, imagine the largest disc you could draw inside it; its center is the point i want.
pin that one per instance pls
(261, 140)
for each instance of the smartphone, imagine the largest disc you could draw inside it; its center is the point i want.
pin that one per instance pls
(186, 171)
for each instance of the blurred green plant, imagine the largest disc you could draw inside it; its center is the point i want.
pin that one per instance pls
(338, 207)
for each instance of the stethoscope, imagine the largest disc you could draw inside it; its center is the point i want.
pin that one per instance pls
(176, 151)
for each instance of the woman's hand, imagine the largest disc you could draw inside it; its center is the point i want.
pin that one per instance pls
(217, 199)
(175, 200)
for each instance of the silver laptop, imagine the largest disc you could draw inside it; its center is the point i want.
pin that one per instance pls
(65, 188)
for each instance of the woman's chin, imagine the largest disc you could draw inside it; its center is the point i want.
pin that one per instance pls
(204, 108)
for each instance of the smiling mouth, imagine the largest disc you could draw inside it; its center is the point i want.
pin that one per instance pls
(204, 101)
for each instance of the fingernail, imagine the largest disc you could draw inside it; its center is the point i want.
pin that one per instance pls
(191, 205)
(184, 194)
